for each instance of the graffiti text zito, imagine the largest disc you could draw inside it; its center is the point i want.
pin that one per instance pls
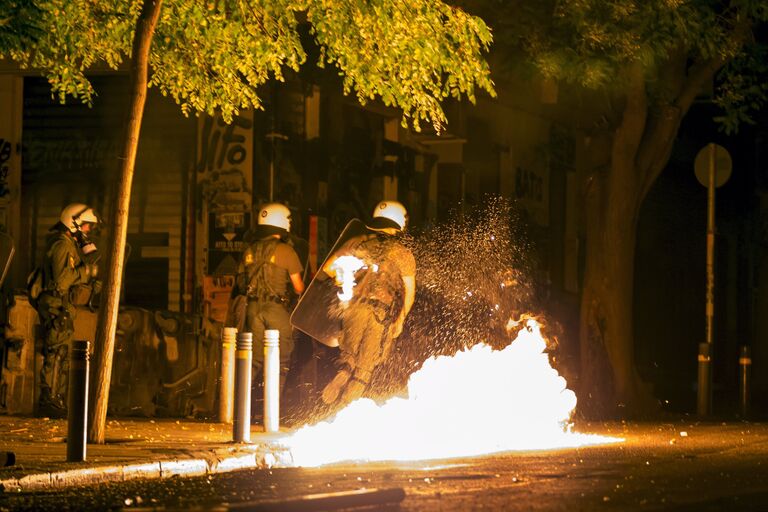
(222, 145)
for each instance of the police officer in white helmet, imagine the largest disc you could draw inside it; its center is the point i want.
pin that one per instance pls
(382, 298)
(270, 270)
(67, 283)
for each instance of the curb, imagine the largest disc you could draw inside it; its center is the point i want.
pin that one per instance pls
(199, 463)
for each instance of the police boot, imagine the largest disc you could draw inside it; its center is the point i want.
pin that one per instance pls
(50, 405)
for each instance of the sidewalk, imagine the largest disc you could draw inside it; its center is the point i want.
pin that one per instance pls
(134, 448)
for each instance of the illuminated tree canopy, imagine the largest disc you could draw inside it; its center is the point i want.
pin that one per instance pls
(214, 55)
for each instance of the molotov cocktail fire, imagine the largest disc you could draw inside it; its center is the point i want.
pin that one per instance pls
(477, 402)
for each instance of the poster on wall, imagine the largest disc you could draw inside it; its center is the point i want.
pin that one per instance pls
(226, 241)
(224, 173)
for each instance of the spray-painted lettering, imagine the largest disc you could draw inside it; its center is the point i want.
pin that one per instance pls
(222, 144)
(528, 185)
(5, 157)
(72, 155)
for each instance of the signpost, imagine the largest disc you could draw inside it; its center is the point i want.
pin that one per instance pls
(713, 167)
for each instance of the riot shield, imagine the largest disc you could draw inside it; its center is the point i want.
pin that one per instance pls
(312, 312)
(6, 255)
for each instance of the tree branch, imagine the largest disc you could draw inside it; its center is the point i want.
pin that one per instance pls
(700, 74)
(630, 131)
(657, 145)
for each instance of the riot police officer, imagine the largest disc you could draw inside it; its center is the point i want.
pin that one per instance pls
(383, 297)
(68, 282)
(268, 268)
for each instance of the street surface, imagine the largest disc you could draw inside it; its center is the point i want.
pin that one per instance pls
(682, 465)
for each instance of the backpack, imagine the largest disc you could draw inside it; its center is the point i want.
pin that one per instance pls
(373, 249)
(35, 286)
(258, 282)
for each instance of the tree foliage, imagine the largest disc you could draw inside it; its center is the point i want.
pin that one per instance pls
(591, 43)
(17, 24)
(644, 63)
(743, 88)
(214, 55)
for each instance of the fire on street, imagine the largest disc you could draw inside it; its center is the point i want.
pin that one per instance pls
(476, 402)
(680, 465)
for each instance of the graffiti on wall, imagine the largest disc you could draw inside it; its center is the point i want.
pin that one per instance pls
(223, 143)
(224, 172)
(5, 158)
(73, 155)
(528, 185)
(531, 184)
(224, 163)
(226, 241)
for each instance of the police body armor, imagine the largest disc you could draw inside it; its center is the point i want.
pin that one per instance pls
(379, 282)
(262, 277)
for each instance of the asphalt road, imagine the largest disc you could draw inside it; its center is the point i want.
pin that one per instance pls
(683, 465)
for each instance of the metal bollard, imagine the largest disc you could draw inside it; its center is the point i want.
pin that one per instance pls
(241, 427)
(226, 397)
(77, 401)
(745, 371)
(271, 380)
(704, 403)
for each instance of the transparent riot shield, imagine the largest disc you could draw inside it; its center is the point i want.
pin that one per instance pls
(312, 312)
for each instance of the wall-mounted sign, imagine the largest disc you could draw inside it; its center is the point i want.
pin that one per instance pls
(226, 241)
(224, 171)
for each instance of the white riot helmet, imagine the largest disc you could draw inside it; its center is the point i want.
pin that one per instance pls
(75, 215)
(392, 211)
(275, 215)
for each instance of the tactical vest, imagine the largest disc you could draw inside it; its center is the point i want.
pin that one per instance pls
(42, 280)
(48, 283)
(265, 280)
(381, 281)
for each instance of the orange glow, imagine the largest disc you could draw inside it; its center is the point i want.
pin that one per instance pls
(477, 402)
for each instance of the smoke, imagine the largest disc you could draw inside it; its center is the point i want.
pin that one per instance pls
(474, 281)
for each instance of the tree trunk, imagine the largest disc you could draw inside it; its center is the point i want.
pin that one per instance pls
(642, 145)
(609, 384)
(107, 322)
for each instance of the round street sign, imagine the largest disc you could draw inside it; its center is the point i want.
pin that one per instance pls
(723, 164)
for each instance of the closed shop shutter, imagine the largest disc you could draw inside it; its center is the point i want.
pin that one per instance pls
(70, 155)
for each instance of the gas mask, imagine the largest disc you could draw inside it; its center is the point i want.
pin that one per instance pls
(85, 243)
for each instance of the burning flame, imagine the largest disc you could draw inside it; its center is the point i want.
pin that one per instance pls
(345, 268)
(479, 401)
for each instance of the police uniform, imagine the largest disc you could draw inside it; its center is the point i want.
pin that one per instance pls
(264, 278)
(64, 272)
(369, 320)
